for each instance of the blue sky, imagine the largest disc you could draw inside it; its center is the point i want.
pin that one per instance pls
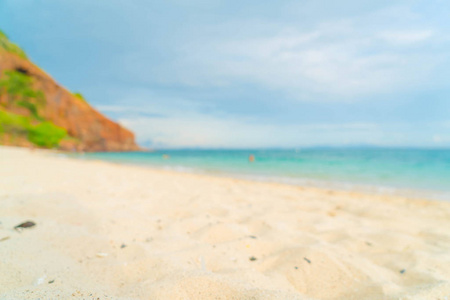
(250, 73)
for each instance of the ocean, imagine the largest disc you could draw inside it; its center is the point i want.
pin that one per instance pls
(407, 172)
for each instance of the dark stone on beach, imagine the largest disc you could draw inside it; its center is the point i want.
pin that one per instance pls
(296, 268)
(252, 236)
(252, 258)
(402, 271)
(27, 224)
(123, 246)
(307, 260)
(51, 281)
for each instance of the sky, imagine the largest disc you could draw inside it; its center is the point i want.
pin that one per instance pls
(250, 74)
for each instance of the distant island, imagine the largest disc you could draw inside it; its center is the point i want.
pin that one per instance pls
(35, 111)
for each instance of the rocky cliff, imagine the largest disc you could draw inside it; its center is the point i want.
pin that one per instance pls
(36, 110)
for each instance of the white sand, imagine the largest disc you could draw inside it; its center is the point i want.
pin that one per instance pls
(191, 237)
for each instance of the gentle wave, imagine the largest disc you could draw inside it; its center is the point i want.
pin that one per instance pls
(409, 172)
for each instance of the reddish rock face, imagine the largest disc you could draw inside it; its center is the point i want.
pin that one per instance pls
(93, 130)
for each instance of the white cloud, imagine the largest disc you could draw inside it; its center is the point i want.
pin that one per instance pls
(336, 61)
(194, 129)
(198, 130)
(438, 139)
(302, 64)
(406, 37)
(131, 110)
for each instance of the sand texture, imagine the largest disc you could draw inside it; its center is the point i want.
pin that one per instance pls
(122, 232)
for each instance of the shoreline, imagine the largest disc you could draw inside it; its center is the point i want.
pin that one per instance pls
(305, 183)
(115, 231)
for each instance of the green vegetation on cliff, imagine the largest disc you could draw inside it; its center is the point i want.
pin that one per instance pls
(79, 96)
(20, 92)
(44, 134)
(16, 90)
(7, 45)
(14, 124)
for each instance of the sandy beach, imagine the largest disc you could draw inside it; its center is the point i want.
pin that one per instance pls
(106, 231)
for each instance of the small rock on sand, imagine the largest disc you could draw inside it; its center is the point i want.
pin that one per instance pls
(27, 224)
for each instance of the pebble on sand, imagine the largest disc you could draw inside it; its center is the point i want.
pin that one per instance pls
(22, 226)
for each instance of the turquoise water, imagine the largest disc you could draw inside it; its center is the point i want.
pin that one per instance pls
(413, 172)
